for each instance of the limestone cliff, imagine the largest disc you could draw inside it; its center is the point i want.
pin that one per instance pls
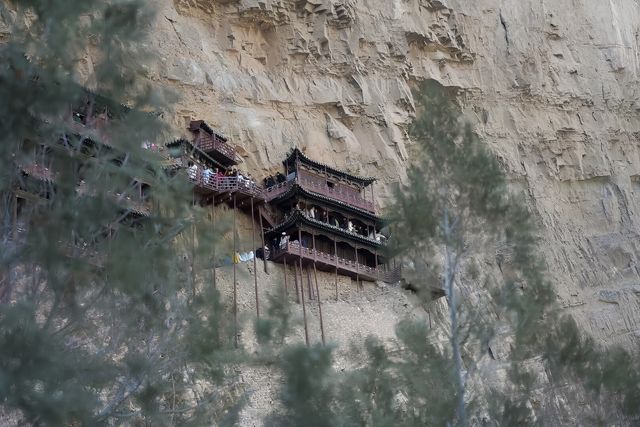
(552, 87)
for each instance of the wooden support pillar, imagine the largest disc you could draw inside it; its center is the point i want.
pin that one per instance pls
(315, 276)
(304, 309)
(309, 286)
(286, 287)
(295, 280)
(264, 255)
(214, 240)
(335, 258)
(357, 270)
(255, 267)
(375, 254)
(193, 248)
(235, 284)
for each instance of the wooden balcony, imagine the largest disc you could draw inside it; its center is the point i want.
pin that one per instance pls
(225, 185)
(217, 148)
(320, 187)
(328, 262)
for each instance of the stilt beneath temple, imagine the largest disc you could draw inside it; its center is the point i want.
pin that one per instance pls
(235, 282)
(255, 268)
(315, 276)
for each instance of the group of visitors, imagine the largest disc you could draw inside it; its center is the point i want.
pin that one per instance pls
(340, 222)
(272, 180)
(215, 176)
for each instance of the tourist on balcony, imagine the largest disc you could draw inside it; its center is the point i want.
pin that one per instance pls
(284, 240)
(312, 212)
(206, 175)
(280, 178)
(192, 170)
(350, 226)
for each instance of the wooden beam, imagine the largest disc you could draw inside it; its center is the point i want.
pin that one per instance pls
(255, 267)
(214, 240)
(286, 287)
(295, 278)
(235, 284)
(264, 255)
(315, 276)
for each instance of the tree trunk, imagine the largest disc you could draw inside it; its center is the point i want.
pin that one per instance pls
(449, 280)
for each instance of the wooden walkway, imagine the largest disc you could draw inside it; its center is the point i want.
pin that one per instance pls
(328, 262)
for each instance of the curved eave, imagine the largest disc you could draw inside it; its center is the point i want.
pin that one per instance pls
(364, 181)
(298, 218)
(298, 189)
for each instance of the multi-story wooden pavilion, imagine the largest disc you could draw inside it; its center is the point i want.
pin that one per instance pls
(327, 219)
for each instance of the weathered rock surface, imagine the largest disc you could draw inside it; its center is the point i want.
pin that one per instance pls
(553, 88)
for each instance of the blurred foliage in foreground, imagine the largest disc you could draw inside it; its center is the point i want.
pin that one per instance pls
(100, 321)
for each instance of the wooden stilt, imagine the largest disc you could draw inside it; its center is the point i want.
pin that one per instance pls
(286, 287)
(235, 284)
(193, 248)
(295, 282)
(304, 309)
(335, 257)
(315, 252)
(315, 276)
(357, 270)
(264, 255)
(309, 285)
(255, 268)
(375, 254)
(214, 240)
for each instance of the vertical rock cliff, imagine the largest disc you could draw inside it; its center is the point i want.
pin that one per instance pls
(552, 87)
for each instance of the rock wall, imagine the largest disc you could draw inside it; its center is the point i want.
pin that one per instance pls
(552, 86)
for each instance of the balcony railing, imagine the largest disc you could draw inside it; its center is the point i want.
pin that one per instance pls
(277, 189)
(209, 143)
(294, 248)
(338, 193)
(320, 187)
(224, 184)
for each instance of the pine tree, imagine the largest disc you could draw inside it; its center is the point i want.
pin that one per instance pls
(100, 321)
(451, 222)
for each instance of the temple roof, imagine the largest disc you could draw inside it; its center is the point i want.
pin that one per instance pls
(299, 218)
(298, 189)
(296, 153)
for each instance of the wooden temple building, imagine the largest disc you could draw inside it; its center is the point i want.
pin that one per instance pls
(327, 220)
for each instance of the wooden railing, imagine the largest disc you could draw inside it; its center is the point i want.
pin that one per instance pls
(294, 248)
(277, 189)
(320, 187)
(208, 143)
(350, 197)
(226, 184)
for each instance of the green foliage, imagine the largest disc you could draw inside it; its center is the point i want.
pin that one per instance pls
(101, 319)
(308, 393)
(277, 324)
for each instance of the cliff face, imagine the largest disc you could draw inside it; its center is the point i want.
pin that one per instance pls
(552, 86)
